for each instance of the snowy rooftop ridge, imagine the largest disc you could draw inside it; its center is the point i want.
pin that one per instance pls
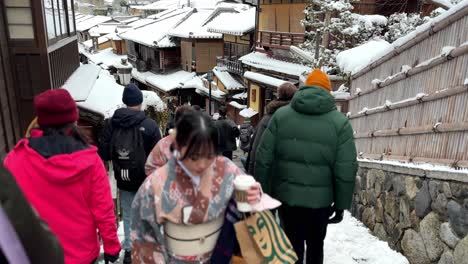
(165, 82)
(91, 22)
(194, 26)
(383, 56)
(261, 78)
(159, 5)
(248, 113)
(262, 61)
(226, 78)
(155, 34)
(104, 58)
(224, 23)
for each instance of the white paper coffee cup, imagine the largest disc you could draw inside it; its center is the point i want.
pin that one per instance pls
(242, 183)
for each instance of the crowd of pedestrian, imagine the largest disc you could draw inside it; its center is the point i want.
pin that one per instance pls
(177, 190)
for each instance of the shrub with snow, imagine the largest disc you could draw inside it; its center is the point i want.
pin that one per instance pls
(344, 30)
(400, 24)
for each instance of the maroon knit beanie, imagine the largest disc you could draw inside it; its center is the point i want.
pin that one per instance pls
(55, 107)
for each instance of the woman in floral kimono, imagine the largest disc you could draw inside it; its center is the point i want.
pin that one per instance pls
(179, 210)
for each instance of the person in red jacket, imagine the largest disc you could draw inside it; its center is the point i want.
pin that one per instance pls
(65, 181)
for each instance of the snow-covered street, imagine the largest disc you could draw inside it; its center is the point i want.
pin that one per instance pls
(350, 242)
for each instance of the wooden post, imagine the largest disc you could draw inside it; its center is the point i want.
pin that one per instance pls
(326, 33)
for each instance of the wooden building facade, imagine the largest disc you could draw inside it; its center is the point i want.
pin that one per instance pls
(38, 52)
(199, 55)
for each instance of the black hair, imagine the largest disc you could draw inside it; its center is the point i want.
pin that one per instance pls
(197, 132)
(222, 111)
(181, 110)
(70, 130)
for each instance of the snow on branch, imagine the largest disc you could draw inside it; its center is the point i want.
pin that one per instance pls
(442, 3)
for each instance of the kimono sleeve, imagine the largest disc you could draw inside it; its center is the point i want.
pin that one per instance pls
(156, 159)
(147, 238)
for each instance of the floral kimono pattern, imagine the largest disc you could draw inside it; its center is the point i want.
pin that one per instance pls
(159, 156)
(163, 197)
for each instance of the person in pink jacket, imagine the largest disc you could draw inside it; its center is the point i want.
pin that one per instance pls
(65, 181)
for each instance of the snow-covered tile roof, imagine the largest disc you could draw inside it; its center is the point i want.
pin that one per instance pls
(83, 18)
(164, 82)
(130, 20)
(226, 78)
(140, 22)
(89, 43)
(265, 79)
(105, 97)
(155, 34)
(80, 83)
(92, 22)
(248, 113)
(237, 105)
(103, 29)
(159, 5)
(262, 61)
(194, 26)
(234, 23)
(197, 82)
(203, 3)
(105, 58)
(96, 90)
(240, 96)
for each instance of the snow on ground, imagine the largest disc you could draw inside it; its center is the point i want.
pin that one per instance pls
(422, 166)
(350, 242)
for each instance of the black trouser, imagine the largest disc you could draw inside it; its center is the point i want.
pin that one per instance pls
(227, 154)
(306, 225)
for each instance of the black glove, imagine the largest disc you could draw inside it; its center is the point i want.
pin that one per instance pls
(111, 258)
(338, 216)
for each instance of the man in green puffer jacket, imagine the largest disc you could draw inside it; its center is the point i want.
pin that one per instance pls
(307, 160)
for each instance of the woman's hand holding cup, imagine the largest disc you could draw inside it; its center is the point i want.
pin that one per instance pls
(254, 193)
(248, 192)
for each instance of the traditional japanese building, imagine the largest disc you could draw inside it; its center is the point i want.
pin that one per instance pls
(38, 51)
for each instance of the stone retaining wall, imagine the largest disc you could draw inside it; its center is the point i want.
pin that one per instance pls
(422, 214)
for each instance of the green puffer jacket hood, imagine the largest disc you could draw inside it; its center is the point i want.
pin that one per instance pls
(306, 156)
(313, 100)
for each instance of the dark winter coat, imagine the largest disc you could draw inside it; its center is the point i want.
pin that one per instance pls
(39, 243)
(227, 132)
(127, 117)
(245, 137)
(262, 125)
(307, 156)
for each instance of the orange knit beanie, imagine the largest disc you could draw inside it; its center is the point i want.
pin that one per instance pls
(318, 78)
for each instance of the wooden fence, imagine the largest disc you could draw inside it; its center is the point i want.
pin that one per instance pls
(412, 104)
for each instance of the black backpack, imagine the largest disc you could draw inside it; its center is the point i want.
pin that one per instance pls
(128, 157)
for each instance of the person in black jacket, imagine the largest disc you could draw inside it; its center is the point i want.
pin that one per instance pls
(228, 132)
(30, 238)
(285, 94)
(127, 139)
